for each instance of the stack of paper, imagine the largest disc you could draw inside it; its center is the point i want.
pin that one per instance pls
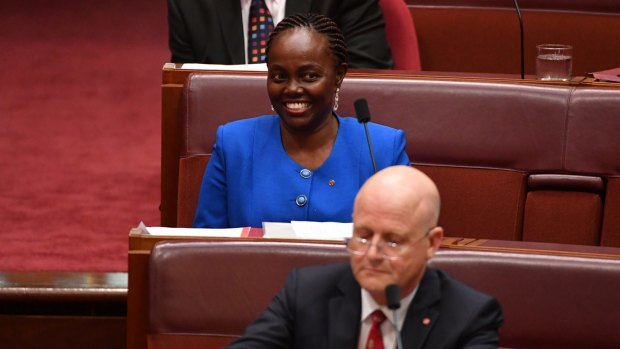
(308, 230)
(195, 232)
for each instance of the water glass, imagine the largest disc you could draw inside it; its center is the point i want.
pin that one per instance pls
(554, 62)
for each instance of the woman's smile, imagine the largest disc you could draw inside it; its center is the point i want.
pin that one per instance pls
(297, 106)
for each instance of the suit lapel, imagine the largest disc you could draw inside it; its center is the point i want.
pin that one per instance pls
(422, 315)
(344, 314)
(229, 13)
(299, 6)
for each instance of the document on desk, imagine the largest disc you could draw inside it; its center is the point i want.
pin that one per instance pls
(308, 230)
(195, 232)
(231, 67)
(612, 75)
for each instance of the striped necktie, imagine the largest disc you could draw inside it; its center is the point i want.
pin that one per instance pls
(260, 26)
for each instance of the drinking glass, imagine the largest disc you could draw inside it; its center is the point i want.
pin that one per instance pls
(554, 62)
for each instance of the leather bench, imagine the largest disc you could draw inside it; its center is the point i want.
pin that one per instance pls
(512, 160)
(204, 294)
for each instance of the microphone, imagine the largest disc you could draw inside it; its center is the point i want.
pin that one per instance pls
(392, 299)
(521, 37)
(363, 116)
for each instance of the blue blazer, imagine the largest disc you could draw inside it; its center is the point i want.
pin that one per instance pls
(250, 179)
(320, 307)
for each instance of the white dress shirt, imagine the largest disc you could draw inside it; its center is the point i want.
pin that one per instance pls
(276, 7)
(388, 329)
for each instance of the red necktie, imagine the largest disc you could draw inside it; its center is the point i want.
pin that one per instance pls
(260, 26)
(375, 337)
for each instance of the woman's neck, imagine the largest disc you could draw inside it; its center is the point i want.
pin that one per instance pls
(310, 150)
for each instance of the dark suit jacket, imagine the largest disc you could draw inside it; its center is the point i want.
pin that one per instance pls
(211, 31)
(320, 307)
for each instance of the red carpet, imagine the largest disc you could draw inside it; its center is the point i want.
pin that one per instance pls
(79, 130)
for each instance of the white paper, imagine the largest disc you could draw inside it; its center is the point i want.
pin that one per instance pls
(195, 232)
(322, 230)
(308, 230)
(278, 230)
(231, 67)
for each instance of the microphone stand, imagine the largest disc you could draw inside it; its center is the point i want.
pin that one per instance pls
(392, 299)
(372, 154)
(399, 339)
(363, 116)
(521, 37)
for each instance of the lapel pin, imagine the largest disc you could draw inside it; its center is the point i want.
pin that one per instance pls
(426, 321)
(331, 182)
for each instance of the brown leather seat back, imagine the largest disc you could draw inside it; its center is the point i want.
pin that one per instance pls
(210, 100)
(216, 289)
(512, 161)
(478, 140)
(548, 301)
(204, 294)
(592, 146)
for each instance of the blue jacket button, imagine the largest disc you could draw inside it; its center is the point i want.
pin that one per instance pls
(301, 200)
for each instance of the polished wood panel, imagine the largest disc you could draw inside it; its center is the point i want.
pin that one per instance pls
(63, 310)
(483, 35)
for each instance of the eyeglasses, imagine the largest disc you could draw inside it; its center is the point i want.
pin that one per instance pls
(359, 246)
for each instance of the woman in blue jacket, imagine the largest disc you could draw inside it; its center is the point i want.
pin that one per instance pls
(307, 162)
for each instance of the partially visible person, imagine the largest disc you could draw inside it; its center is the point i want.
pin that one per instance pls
(307, 162)
(344, 305)
(216, 31)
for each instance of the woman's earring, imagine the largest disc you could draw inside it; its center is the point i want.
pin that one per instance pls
(336, 99)
(272, 108)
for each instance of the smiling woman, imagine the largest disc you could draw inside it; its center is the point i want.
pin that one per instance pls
(306, 162)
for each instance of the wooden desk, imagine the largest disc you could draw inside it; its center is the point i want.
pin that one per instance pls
(483, 35)
(63, 310)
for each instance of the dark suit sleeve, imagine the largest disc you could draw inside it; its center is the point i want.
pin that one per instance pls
(483, 330)
(363, 27)
(274, 328)
(179, 38)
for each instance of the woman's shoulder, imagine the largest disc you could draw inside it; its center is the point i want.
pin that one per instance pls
(240, 124)
(353, 123)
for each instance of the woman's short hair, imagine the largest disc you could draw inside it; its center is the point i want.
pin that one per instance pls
(319, 23)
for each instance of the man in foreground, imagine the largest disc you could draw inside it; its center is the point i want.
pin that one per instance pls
(344, 306)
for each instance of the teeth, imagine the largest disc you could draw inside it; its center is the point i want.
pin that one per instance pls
(297, 105)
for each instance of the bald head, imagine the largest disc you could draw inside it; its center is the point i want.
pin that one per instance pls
(397, 206)
(402, 189)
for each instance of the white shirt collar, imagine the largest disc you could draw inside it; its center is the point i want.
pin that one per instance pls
(369, 305)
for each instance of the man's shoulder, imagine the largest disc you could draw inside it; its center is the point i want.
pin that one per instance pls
(325, 274)
(323, 281)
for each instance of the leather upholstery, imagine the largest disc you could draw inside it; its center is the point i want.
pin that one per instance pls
(401, 35)
(203, 294)
(502, 154)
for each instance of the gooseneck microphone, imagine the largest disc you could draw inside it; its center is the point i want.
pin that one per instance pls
(363, 116)
(521, 37)
(392, 299)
